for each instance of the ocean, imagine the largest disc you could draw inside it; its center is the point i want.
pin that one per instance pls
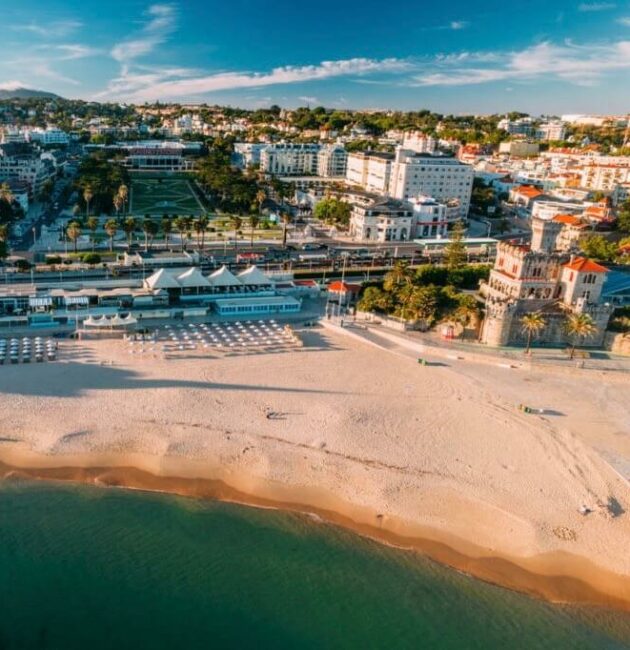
(90, 568)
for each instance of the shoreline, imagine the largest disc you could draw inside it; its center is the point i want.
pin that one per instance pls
(557, 576)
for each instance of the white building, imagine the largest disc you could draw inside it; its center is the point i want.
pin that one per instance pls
(522, 126)
(419, 142)
(431, 218)
(247, 154)
(442, 178)
(605, 177)
(382, 221)
(519, 148)
(48, 136)
(551, 131)
(290, 159)
(370, 170)
(332, 161)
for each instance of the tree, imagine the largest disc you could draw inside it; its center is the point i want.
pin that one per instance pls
(87, 197)
(237, 222)
(181, 226)
(254, 220)
(118, 203)
(532, 324)
(372, 299)
(201, 224)
(123, 195)
(167, 228)
(579, 327)
(333, 211)
(466, 312)
(92, 225)
(623, 217)
(129, 226)
(418, 303)
(455, 250)
(74, 232)
(150, 229)
(4, 235)
(261, 197)
(400, 276)
(111, 228)
(598, 248)
(285, 217)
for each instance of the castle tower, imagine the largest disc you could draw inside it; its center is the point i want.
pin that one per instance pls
(545, 234)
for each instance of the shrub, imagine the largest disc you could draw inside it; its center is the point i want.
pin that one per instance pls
(91, 258)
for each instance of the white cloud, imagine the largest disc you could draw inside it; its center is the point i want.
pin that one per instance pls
(11, 85)
(308, 100)
(73, 51)
(578, 64)
(161, 22)
(147, 87)
(54, 29)
(596, 6)
(458, 24)
(625, 21)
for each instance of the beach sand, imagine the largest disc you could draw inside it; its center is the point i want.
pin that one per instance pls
(437, 458)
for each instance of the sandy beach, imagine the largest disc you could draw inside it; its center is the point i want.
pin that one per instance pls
(434, 457)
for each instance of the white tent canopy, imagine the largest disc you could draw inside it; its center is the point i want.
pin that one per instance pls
(161, 279)
(110, 321)
(223, 277)
(193, 277)
(253, 276)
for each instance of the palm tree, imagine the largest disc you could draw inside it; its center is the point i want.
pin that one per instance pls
(532, 324)
(92, 225)
(74, 232)
(254, 220)
(167, 228)
(285, 217)
(261, 196)
(123, 194)
(111, 228)
(181, 225)
(76, 210)
(579, 327)
(5, 193)
(129, 226)
(466, 313)
(4, 235)
(87, 197)
(200, 225)
(150, 229)
(237, 222)
(118, 203)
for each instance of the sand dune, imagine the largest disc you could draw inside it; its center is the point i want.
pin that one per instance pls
(437, 457)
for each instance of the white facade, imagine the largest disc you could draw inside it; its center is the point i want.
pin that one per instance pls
(551, 131)
(419, 142)
(289, 159)
(382, 221)
(444, 179)
(370, 170)
(248, 153)
(605, 177)
(332, 161)
(431, 219)
(48, 136)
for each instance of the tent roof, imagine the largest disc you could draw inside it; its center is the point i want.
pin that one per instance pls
(252, 276)
(223, 277)
(193, 277)
(161, 279)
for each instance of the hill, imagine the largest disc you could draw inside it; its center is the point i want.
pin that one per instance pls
(25, 93)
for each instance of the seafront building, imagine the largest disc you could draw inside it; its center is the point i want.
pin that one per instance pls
(545, 277)
(165, 294)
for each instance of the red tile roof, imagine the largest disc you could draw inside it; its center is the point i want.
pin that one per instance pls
(528, 190)
(569, 219)
(343, 287)
(584, 265)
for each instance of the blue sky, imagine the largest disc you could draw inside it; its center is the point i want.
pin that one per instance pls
(539, 56)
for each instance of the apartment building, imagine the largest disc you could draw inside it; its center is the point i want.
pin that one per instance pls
(382, 221)
(370, 170)
(19, 162)
(48, 136)
(332, 161)
(605, 177)
(432, 219)
(290, 159)
(551, 131)
(442, 178)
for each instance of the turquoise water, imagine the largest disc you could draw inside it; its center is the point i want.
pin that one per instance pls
(91, 568)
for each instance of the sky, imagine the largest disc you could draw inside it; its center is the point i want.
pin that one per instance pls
(538, 56)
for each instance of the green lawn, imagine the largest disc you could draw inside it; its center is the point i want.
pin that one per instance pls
(158, 196)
